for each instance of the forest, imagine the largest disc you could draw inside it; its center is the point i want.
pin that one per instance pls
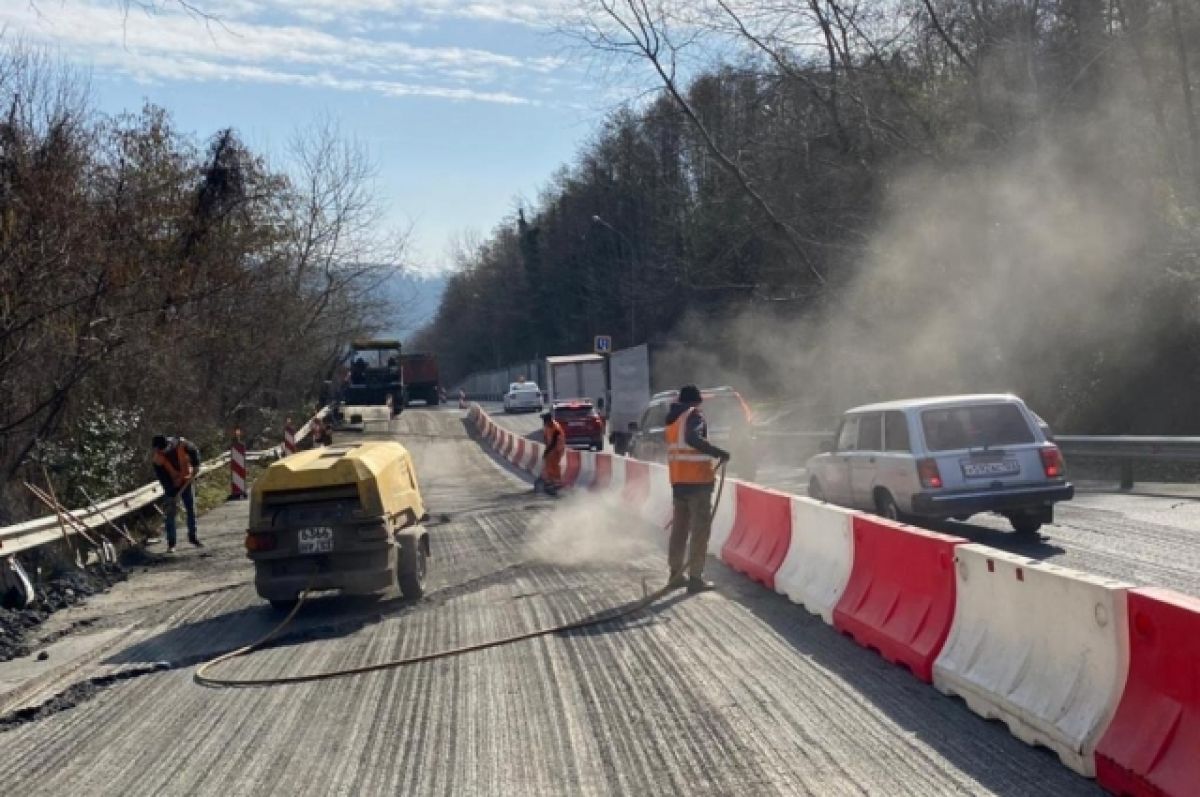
(828, 202)
(155, 283)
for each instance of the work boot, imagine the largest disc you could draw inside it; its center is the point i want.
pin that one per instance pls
(170, 549)
(677, 581)
(696, 585)
(194, 540)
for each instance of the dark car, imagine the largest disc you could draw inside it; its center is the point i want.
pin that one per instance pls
(583, 425)
(729, 426)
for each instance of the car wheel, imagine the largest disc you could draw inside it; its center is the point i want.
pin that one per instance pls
(1025, 525)
(412, 568)
(885, 506)
(814, 490)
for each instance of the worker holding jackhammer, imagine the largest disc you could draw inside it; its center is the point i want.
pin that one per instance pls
(176, 465)
(690, 463)
(556, 445)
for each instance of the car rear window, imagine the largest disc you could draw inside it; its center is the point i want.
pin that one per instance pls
(980, 426)
(572, 413)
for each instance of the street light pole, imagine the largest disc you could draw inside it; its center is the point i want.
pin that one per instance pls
(632, 278)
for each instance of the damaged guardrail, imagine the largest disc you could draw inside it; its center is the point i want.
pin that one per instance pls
(40, 531)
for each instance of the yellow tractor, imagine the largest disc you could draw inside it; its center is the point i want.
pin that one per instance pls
(345, 517)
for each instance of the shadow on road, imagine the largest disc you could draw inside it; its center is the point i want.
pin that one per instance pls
(945, 724)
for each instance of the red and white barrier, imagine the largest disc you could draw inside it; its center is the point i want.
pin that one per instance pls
(289, 438)
(1042, 648)
(587, 469)
(237, 467)
(900, 596)
(602, 477)
(1152, 745)
(570, 467)
(659, 507)
(761, 533)
(636, 487)
(722, 522)
(819, 560)
(616, 483)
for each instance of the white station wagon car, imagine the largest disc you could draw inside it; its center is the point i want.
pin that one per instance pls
(523, 397)
(945, 457)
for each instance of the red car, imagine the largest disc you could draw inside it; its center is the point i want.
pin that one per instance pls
(583, 425)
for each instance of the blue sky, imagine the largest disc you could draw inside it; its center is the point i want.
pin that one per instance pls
(463, 104)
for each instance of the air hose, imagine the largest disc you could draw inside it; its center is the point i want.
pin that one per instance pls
(202, 677)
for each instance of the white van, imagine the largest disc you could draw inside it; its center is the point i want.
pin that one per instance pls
(523, 397)
(944, 457)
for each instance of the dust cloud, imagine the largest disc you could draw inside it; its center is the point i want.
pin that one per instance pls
(1041, 272)
(587, 530)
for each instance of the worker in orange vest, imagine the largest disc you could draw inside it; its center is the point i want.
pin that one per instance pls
(177, 464)
(556, 445)
(690, 465)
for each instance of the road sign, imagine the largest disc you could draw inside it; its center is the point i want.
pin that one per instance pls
(603, 344)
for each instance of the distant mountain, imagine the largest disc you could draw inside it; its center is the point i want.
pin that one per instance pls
(418, 297)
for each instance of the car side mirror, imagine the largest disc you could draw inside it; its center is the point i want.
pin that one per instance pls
(827, 446)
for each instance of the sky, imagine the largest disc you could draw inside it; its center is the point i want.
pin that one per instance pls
(465, 105)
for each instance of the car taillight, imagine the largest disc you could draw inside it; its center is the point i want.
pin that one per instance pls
(260, 541)
(1052, 462)
(927, 469)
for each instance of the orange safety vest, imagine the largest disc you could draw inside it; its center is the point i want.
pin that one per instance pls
(685, 464)
(554, 429)
(181, 469)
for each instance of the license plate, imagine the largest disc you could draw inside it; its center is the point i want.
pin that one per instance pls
(316, 540)
(576, 425)
(982, 470)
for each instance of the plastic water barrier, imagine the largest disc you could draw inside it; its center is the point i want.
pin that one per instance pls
(761, 533)
(820, 557)
(1040, 647)
(1152, 745)
(900, 596)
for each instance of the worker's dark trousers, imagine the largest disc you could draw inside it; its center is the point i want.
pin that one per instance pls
(691, 522)
(188, 496)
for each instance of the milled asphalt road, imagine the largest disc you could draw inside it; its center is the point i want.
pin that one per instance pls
(732, 692)
(1149, 537)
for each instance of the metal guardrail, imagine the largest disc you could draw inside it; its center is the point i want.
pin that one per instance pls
(1127, 449)
(40, 531)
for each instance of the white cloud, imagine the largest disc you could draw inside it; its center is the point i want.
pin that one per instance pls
(255, 41)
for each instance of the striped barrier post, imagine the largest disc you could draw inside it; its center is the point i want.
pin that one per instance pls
(289, 438)
(237, 466)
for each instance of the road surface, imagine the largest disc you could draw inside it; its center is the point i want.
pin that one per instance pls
(732, 692)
